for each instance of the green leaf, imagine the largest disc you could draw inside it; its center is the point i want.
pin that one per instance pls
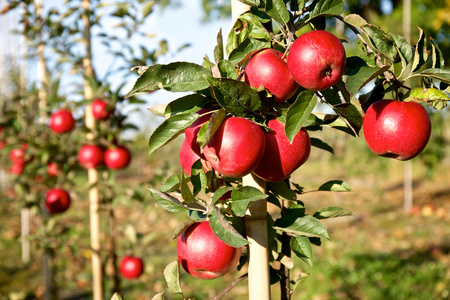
(147, 8)
(358, 74)
(170, 204)
(224, 230)
(186, 193)
(172, 276)
(218, 50)
(209, 128)
(243, 197)
(159, 296)
(439, 74)
(355, 20)
(251, 2)
(171, 184)
(433, 97)
(318, 143)
(326, 7)
(186, 104)
(169, 130)
(438, 60)
(227, 69)
(255, 26)
(277, 10)
(282, 189)
(404, 48)
(301, 246)
(174, 77)
(301, 226)
(381, 41)
(246, 49)
(236, 97)
(332, 212)
(335, 186)
(219, 193)
(198, 177)
(420, 52)
(298, 113)
(181, 229)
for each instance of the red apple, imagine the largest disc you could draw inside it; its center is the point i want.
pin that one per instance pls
(17, 156)
(236, 148)
(396, 129)
(52, 169)
(317, 60)
(203, 255)
(62, 121)
(2, 144)
(191, 132)
(267, 68)
(187, 157)
(17, 168)
(101, 109)
(131, 267)
(57, 200)
(117, 158)
(90, 156)
(281, 158)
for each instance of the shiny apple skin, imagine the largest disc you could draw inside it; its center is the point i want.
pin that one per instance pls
(62, 121)
(395, 129)
(90, 156)
(281, 158)
(117, 158)
(203, 255)
(317, 60)
(131, 267)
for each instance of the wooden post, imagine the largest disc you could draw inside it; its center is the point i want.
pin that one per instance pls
(255, 221)
(97, 276)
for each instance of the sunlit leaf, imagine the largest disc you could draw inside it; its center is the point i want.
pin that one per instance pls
(224, 230)
(327, 7)
(298, 113)
(172, 277)
(243, 197)
(335, 186)
(301, 246)
(332, 212)
(301, 226)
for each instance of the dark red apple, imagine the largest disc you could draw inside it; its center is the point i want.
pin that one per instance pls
(236, 148)
(187, 157)
(203, 255)
(17, 156)
(281, 158)
(57, 200)
(317, 60)
(90, 156)
(101, 109)
(396, 129)
(118, 157)
(62, 121)
(267, 68)
(191, 132)
(131, 267)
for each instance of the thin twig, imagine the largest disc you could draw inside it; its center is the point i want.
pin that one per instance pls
(232, 285)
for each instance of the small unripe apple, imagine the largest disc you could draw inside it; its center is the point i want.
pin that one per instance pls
(117, 158)
(203, 255)
(62, 121)
(131, 267)
(267, 68)
(281, 157)
(317, 60)
(101, 109)
(90, 156)
(236, 148)
(396, 129)
(191, 132)
(57, 200)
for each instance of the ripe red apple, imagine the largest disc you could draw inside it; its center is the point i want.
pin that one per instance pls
(281, 158)
(90, 156)
(52, 169)
(62, 121)
(131, 267)
(101, 109)
(191, 132)
(118, 157)
(17, 168)
(57, 200)
(203, 255)
(317, 60)
(187, 157)
(396, 129)
(17, 156)
(236, 148)
(267, 68)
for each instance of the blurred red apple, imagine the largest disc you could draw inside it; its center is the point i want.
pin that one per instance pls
(90, 156)
(131, 267)
(57, 200)
(118, 157)
(62, 121)
(101, 109)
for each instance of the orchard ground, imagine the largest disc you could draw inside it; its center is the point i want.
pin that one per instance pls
(381, 252)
